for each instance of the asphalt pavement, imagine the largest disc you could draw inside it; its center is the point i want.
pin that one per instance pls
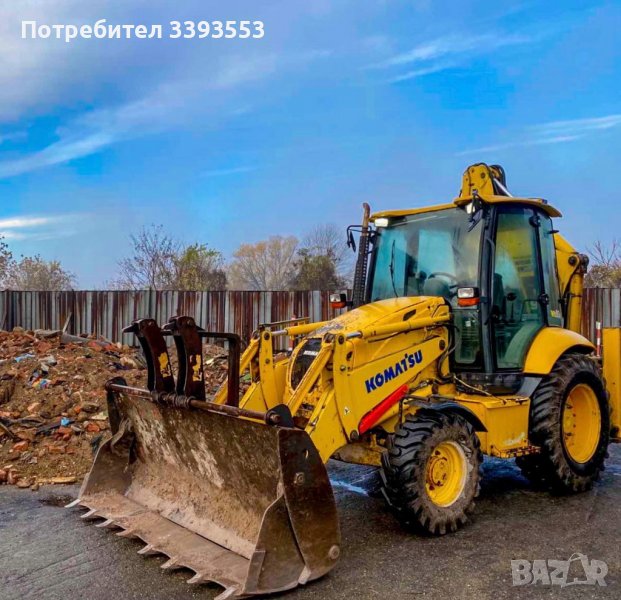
(48, 553)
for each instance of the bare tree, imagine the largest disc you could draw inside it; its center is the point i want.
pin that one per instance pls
(326, 243)
(266, 265)
(34, 273)
(327, 239)
(605, 271)
(161, 262)
(152, 264)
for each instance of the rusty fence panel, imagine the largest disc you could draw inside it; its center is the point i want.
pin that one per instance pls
(603, 305)
(105, 313)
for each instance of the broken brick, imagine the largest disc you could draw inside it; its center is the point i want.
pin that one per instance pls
(63, 480)
(21, 446)
(43, 347)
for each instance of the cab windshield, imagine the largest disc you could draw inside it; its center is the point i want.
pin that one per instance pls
(428, 254)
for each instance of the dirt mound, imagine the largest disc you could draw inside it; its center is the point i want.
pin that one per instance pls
(53, 410)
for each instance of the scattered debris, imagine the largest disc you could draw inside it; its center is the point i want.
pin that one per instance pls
(53, 412)
(46, 378)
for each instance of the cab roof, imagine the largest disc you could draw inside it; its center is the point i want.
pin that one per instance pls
(463, 200)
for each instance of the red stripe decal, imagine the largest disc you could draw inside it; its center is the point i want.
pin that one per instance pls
(375, 414)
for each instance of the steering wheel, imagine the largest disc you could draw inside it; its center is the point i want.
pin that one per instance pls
(452, 286)
(443, 274)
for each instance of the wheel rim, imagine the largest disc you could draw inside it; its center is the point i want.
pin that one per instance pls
(446, 473)
(581, 423)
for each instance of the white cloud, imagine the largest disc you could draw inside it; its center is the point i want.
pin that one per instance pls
(434, 68)
(169, 105)
(578, 126)
(174, 103)
(454, 44)
(19, 222)
(224, 172)
(553, 132)
(520, 143)
(450, 51)
(39, 227)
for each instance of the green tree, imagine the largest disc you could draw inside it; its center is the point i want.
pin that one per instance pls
(321, 262)
(199, 268)
(316, 272)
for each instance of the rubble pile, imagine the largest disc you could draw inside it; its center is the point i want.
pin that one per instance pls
(53, 411)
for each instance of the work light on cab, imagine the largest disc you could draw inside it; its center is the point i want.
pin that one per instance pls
(468, 296)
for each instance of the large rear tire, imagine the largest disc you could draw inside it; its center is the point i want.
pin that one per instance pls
(431, 472)
(570, 422)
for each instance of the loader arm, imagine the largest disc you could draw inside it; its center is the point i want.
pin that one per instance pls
(571, 267)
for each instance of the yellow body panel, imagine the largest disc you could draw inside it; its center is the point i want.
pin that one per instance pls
(571, 267)
(363, 356)
(611, 339)
(489, 199)
(506, 421)
(549, 344)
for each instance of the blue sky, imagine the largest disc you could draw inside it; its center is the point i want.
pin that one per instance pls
(342, 101)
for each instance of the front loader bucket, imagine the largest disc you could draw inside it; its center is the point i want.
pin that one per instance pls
(242, 499)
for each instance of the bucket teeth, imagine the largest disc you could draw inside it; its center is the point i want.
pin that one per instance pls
(91, 515)
(148, 550)
(73, 504)
(227, 593)
(127, 533)
(196, 579)
(171, 563)
(107, 524)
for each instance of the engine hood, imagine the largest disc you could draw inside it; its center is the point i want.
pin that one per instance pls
(382, 312)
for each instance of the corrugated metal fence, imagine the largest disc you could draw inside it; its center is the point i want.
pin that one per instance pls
(603, 305)
(106, 313)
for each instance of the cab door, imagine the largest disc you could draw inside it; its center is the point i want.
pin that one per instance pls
(519, 299)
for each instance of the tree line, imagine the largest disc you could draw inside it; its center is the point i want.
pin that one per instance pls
(319, 261)
(157, 260)
(32, 272)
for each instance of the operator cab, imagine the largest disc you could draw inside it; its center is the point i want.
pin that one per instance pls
(493, 261)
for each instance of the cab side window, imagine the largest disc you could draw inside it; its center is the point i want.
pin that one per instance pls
(516, 287)
(550, 274)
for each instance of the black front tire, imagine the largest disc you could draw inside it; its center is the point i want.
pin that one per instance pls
(406, 471)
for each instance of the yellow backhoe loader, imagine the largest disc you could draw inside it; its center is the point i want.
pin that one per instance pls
(462, 338)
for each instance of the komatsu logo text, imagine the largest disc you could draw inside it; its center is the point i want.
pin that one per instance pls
(408, 361)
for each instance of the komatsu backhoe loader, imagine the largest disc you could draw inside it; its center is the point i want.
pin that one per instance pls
(462, 338)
